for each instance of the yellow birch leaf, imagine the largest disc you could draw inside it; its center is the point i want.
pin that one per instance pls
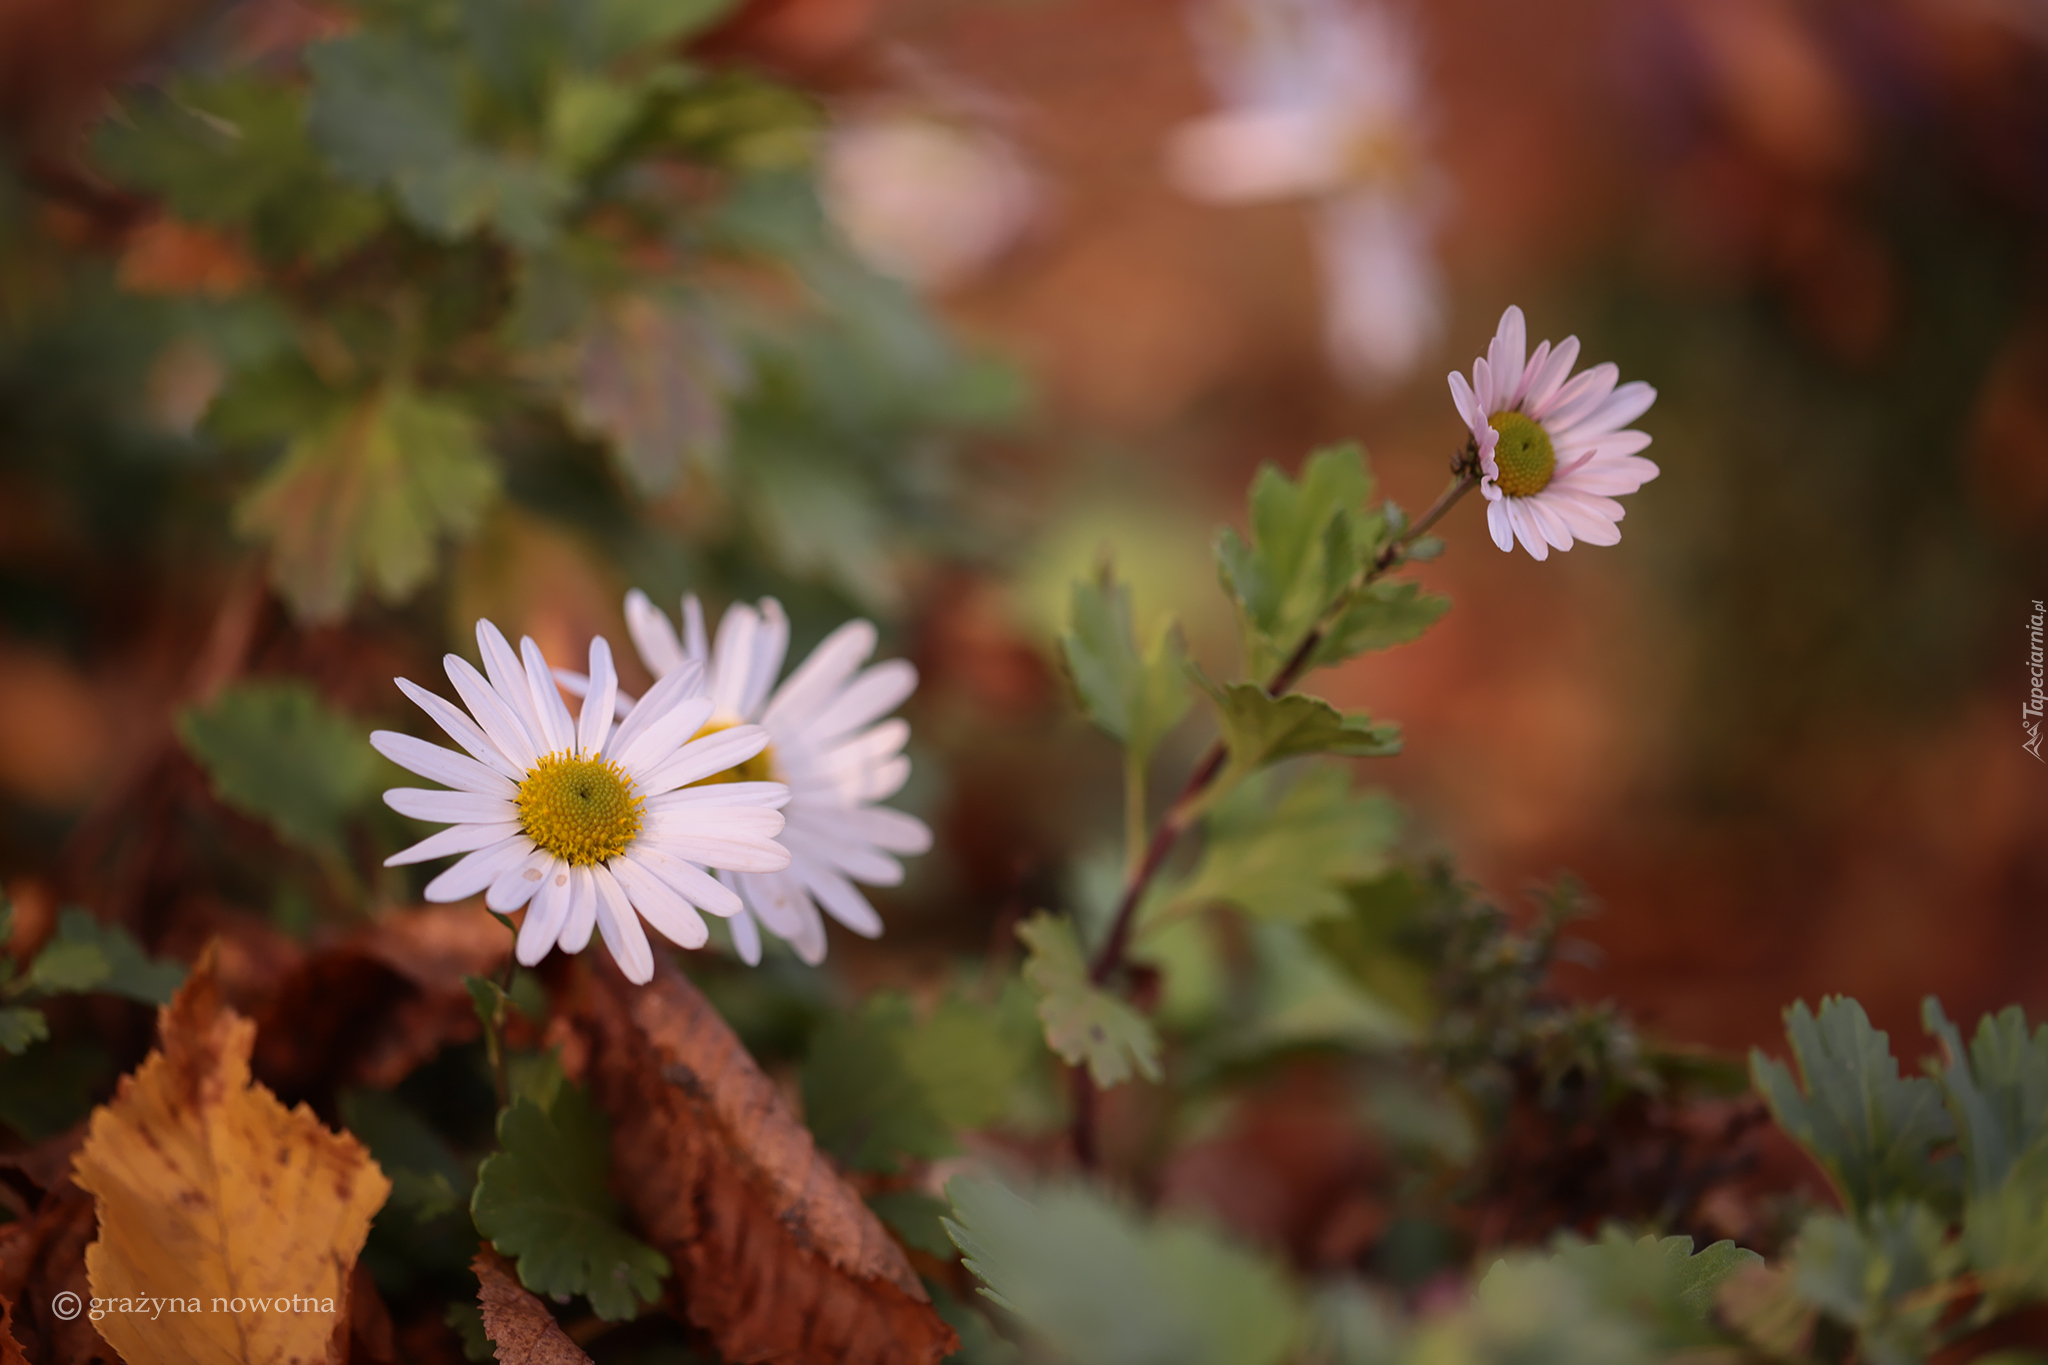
(213, 1194)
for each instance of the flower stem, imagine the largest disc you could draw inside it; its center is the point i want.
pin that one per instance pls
(1181, 813)
(1174, 823)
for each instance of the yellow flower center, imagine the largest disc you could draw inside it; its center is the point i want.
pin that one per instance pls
(1524, 455)
(759, 768)
(582, 810)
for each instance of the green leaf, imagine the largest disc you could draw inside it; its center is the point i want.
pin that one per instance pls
(1869, 1275)
(1084, 1024)
(386, 110)
(1303, 998)
(2005, 1233)
(1291, 858)
(363, 494)
(1871, 1130)
(85, 955)
(234, 152)
(277, 753)
(1137, 695)
(1107, 1289)
(1381, 616)
(22, 1028)
(1997, 1090)
(465, 1317)
(915, 1217)
(650, 375)
(427, 1181)
(545, 1200)
(1260, 729)
(880, 1085)
(1655, 1279)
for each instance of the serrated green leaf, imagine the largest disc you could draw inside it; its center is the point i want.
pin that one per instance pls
(1869, 1274)
(2005, 1233)
(1290, 857)
(1871, 1130)
(85, 955)
(21, 1028)
(1302, 998)
(1260, 730)
(650, 375)
(1107, 1289)
(880, 1085)
(915, 1217)
(1382, 615)
(1309, 538)
(1659, 1280)
(386, 111)
(466, 1319)
(365, 494)
(1137, 695)
(1084, 1024)
(1997, 1089)
(277, 753)
(545, 1200)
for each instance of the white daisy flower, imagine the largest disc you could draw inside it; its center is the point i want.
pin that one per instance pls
(1553, 450)
(1326, 102)
(827, 740)
(583, 821)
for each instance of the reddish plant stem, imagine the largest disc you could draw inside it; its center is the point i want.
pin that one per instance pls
(1181, 813)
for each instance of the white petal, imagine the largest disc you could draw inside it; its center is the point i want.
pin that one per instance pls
(1548, 522)
(545, 915)
(771, 644)
(678, 687)
(825, 846)
(1526, 529)
(819, 676)
(1544, 384)
(1584, 523)
(503, 668)
(1582, 395)
(1507, 356)
(1538, 359)
(693, 630)
(1611, 476)
(461, 729)
(516, 885)
(478, 870)
(734, 852)
(769, 795)
(496, 715)
(557, 730)
(1606, 508)
(577, 685)
(654, 638)
(656, 744)
(732, 657)
(701, 758)
(672, 916)
(692, 883)
(1482, 386)
(620, 925)
(450, 808)
(885, 828)
(1468, 402)
(841, 900)
(454, 839)
(594, 725)
(746, 938)
(779, 901)
(1499, 526)
(441, 765)
(880, 782)
(581, 920)
(871, 696)
(1621, 407)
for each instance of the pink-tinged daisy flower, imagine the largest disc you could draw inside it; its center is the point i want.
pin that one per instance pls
(591, 822)
(1554, 448)
(827, 739)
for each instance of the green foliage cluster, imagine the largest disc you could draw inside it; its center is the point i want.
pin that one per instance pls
(83, 957)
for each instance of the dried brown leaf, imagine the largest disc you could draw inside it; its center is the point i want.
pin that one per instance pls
(209, 1189)
(518, 1324)
(776, 1257)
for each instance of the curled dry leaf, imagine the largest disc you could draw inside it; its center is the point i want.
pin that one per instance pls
(776, 1256)
(391, 997)
(44, 1256)
(519, 1325)
(10, 1349)
(210, 1191)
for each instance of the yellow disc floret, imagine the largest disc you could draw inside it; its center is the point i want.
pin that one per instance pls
(582, 810)
(1524, 455)
(759, 768)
